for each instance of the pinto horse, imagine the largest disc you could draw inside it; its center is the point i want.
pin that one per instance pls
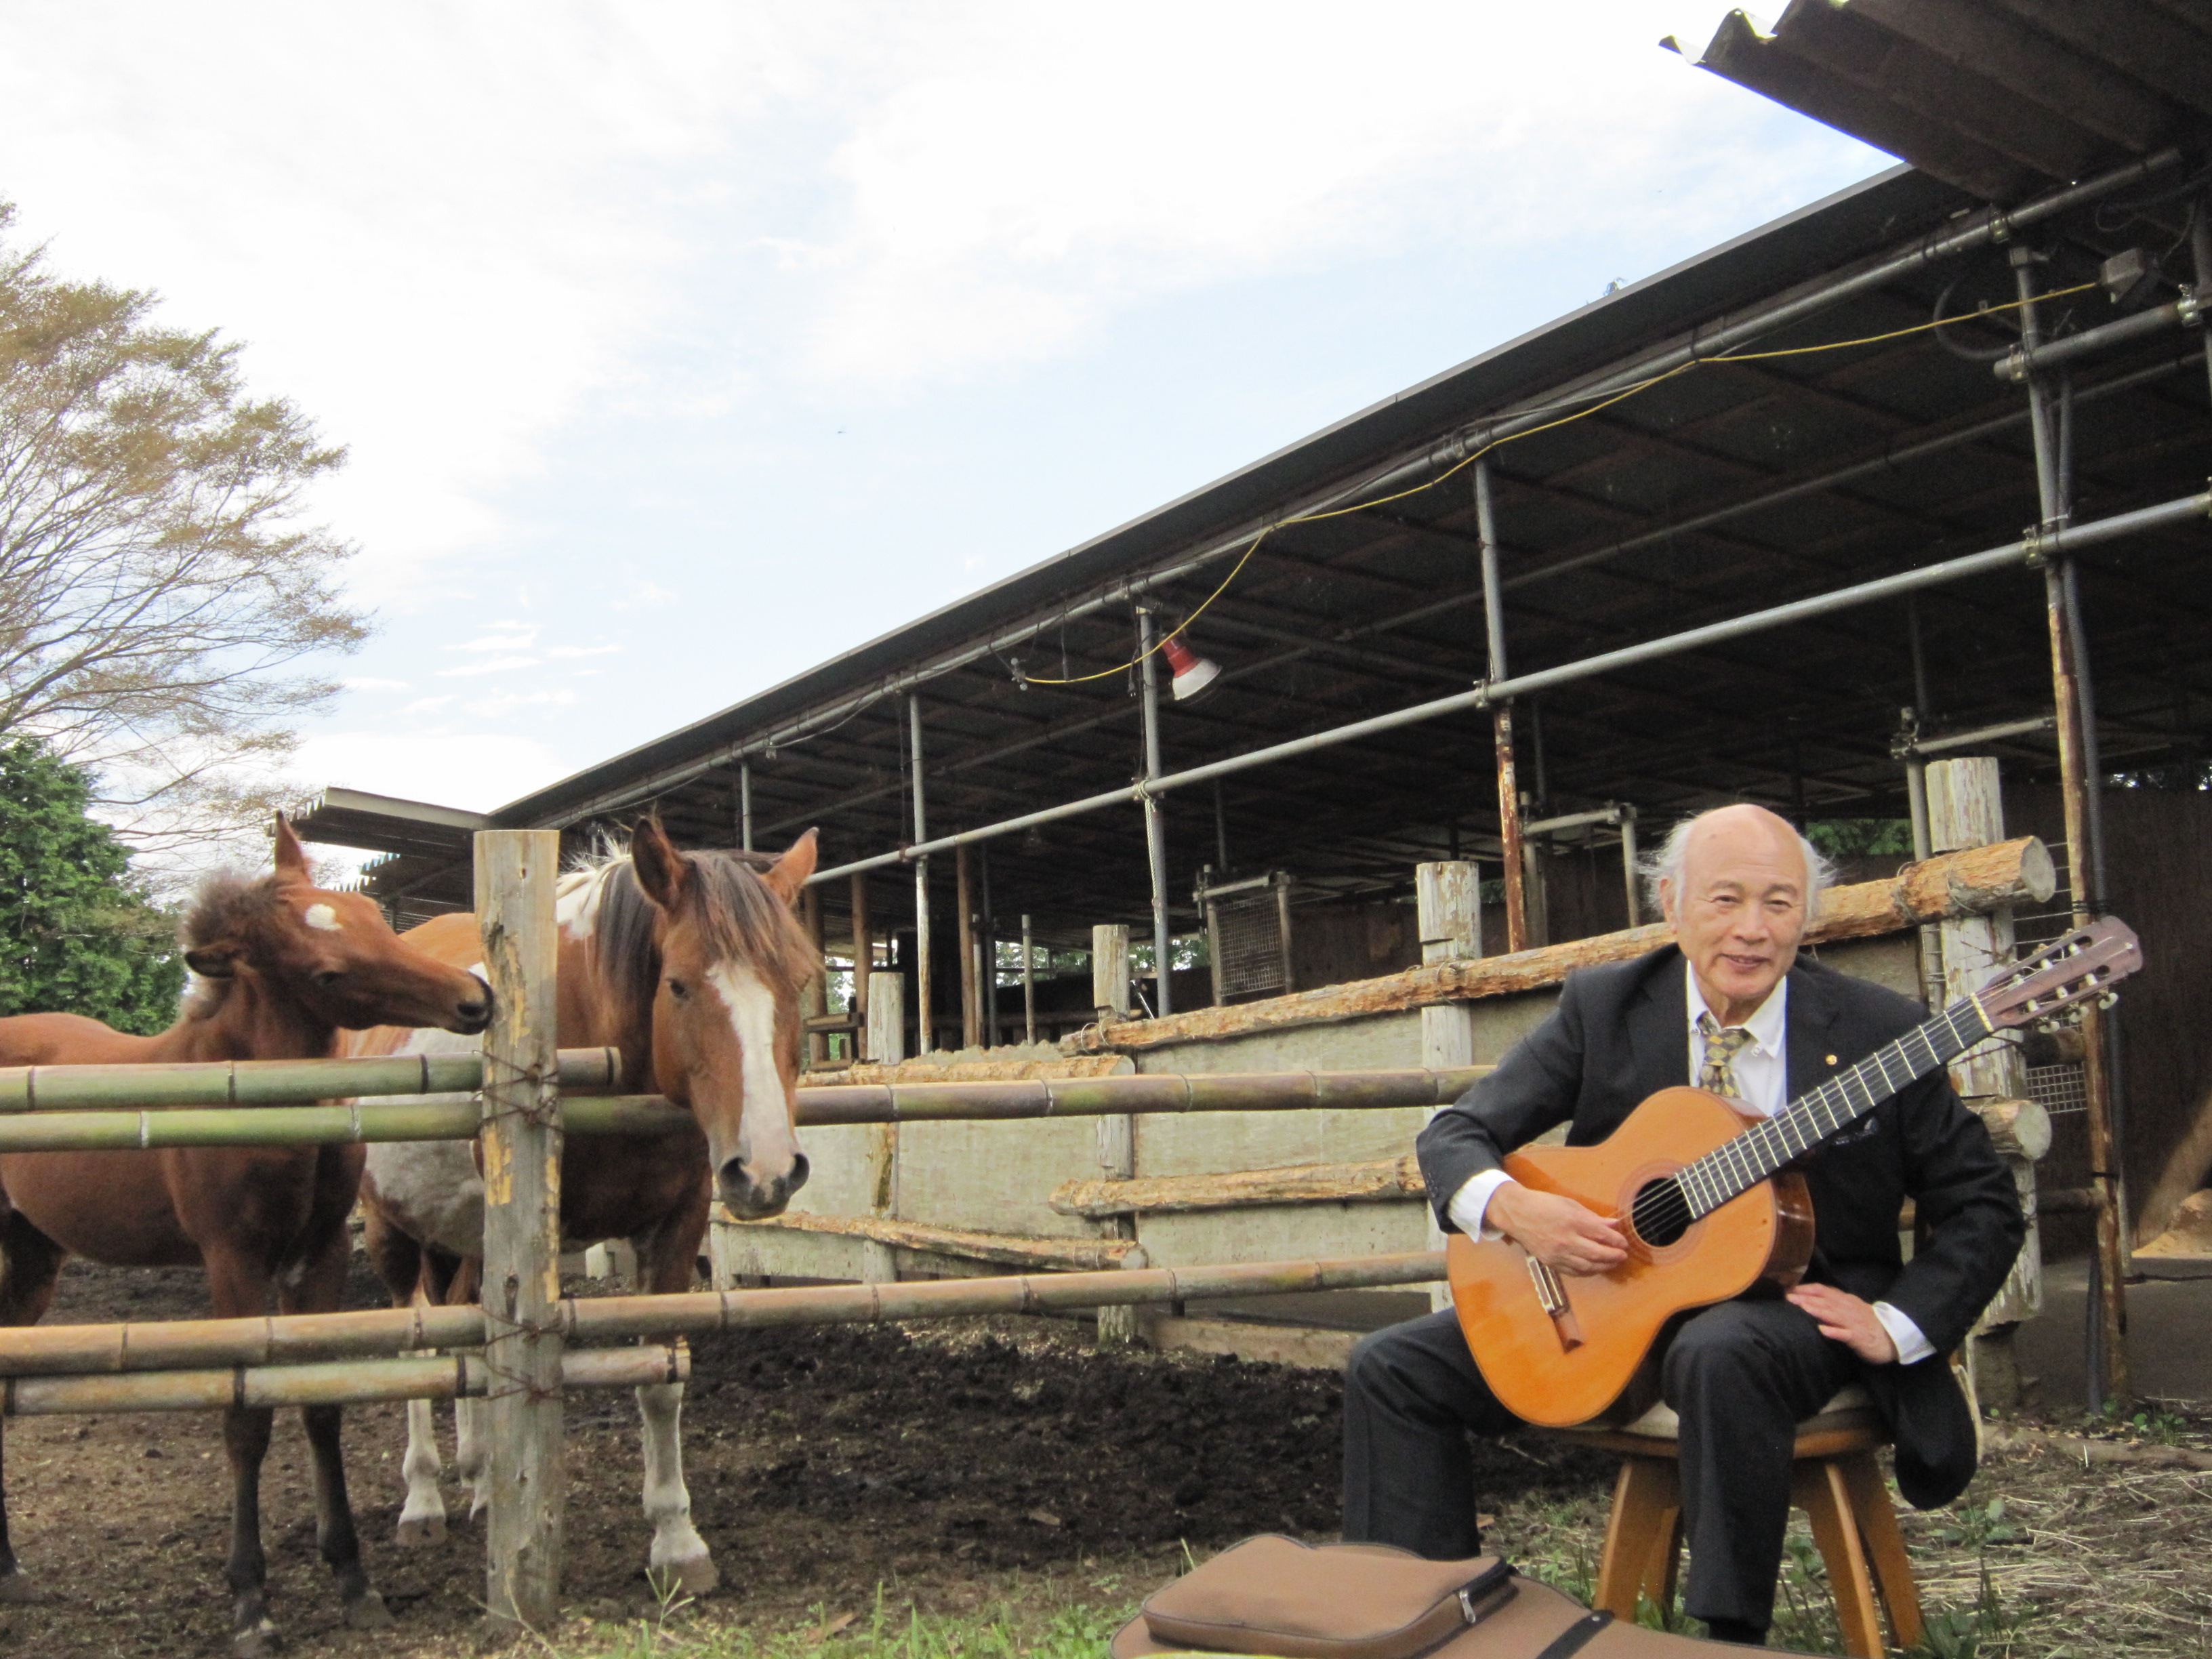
(281, 966)
(691, 964)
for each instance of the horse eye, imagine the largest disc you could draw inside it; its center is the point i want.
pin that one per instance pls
(678, 988)
(329, 977)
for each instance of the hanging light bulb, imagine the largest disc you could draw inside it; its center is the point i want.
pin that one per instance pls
(1193, 673)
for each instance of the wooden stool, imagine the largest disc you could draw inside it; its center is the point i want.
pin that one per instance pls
(1834, 1479)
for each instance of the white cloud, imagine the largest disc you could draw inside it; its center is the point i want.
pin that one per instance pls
(475, 771)
(503, 703)
(583, 650)
(495, 666)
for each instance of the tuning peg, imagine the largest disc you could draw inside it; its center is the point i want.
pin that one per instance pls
(2108, 999)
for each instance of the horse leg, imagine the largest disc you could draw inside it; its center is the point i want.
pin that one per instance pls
(238, 1285)
(680, 1562)
(319, 1290)
(404, 1266)
(29, 1264)
(472, 1418)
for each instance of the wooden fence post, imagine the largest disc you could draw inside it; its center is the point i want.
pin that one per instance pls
(1447, 908)
(515, 870)
(1117, 1136)
(887, 1046)
(1965, 807)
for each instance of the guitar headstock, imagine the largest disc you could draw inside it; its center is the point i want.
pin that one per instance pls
(2060, 978)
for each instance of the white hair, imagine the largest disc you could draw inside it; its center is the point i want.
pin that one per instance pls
(1667, 864)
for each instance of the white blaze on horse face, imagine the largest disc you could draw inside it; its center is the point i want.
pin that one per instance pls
(321, 916)
(765, 1140)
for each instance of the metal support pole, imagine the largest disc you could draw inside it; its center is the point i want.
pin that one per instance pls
(925, 1038)
(1156, 837)
(520, 1148)
(1029, 983)
(746, 804)
(1501, 718)
(2107, 1370)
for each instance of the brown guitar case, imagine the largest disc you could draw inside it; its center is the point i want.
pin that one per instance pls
(1278, 1597)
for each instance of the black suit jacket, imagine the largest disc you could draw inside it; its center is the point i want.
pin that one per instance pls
(1621, 1033)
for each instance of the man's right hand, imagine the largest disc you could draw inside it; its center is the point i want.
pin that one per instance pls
(1558, 1232)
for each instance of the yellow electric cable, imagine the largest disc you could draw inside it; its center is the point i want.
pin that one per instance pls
(1565, 420)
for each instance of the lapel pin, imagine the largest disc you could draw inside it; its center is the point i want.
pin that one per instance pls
(1831, 1060)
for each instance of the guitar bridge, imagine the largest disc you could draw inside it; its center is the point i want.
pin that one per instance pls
(1552, 1298)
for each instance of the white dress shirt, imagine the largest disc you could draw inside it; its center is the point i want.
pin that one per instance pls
(1761, 1071)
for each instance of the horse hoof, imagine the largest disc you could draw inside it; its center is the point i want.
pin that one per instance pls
(257, 1643)
(421, 1529)
(367, 1611)
(15, 1589)
(696, 1576)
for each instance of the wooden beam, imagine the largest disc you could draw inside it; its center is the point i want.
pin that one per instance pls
(1378, 1180)
(1971, 881)
(1010, 1249)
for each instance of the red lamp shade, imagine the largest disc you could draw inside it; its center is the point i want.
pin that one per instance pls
(1193, 673)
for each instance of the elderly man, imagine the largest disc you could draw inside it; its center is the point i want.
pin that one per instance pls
(1730, 1007)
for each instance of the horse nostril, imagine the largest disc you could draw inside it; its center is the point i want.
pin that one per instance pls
(798, 1171)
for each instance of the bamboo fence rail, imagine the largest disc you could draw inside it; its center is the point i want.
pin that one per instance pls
(168, 1346)
(277, 1082)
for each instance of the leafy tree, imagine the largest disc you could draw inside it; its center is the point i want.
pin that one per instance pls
(78, 935)
(159, 593)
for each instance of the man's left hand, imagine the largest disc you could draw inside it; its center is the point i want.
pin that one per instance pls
(1843, 1318)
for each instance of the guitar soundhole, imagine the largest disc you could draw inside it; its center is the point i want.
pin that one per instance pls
(1660, 1212)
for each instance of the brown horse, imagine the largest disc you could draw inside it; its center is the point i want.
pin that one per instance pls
(281, 966)
(691, 964)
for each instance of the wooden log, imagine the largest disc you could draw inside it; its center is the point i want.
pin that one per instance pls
(1109, 972)
(1143, 1093)
(971, 998)
(274, 1082)
(970, 1070)
(864, 961)
(1368, 1182)
(2018, 1128)
(813, 996)
(1010, 1249)
(1447, 912)
(1976, 879)
(522, 1157)
(338, 1383)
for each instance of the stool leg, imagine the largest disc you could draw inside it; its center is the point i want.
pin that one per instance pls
(1817, 1487)
(1647, 1507)
(1885, 1547)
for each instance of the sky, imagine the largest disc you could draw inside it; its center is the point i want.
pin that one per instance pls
(680, 347)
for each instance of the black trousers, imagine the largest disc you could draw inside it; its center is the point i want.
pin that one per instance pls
(1741, 1375)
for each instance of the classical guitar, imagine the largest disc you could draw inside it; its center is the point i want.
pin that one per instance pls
(1707, 1201)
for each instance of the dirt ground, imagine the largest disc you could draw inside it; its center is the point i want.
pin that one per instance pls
(945, 1462)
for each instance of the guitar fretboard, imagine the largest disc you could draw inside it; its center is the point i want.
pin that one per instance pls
(1739, 1164)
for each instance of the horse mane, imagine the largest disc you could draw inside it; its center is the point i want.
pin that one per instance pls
(737, 914)
(225, 904)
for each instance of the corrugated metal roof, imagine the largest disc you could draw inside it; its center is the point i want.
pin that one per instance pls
(1998, 97)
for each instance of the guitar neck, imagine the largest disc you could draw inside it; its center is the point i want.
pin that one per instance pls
(1741, 1163)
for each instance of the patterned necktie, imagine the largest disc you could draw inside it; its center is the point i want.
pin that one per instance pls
(1722, 1044)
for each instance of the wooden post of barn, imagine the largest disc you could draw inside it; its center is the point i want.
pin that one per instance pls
(1117, 1136)
(1964, 808)
(1508, 788)
(971, 1004)
(515, 870)
(1447, 907)
(864, 966)
(813, 1000)
(924, 1038)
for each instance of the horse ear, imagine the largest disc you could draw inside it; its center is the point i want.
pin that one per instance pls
(662, 871)
(291, 858)
(789, 873)
(214, 960)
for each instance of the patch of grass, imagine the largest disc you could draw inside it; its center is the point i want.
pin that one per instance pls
(1050, 1620)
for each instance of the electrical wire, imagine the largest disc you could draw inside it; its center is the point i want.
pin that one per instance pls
(1468, 460)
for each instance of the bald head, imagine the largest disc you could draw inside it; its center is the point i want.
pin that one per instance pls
(1738, 883)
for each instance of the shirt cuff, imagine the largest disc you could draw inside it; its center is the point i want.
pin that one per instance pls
(1912, 1346)
(1471, 1202)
